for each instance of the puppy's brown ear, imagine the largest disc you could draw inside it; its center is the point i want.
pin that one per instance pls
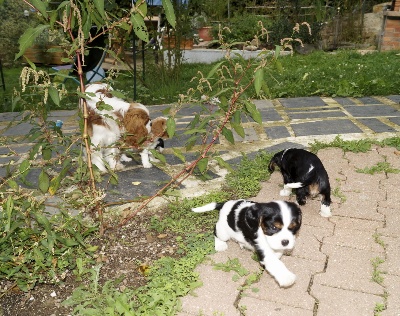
(135, 121)
(159, 127)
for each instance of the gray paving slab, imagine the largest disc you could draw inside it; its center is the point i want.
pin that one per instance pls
(322, 127)
(344, 101)
(372, 110)
(302, 102)
(315, 114)
(377, 126)
(275, 132)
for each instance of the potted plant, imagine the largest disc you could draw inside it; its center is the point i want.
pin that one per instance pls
(201, 24)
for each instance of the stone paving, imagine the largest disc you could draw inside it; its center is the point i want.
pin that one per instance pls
(345, 265)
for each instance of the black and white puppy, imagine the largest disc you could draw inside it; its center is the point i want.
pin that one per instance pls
(304, 172)
(267, 228)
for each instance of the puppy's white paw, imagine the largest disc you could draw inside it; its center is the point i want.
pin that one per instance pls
(325, 211)
(285, 192)
(147, 165)
(125, 158)
(220, 245)
(286, 280)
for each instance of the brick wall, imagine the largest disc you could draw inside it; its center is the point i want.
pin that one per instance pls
(391, 35)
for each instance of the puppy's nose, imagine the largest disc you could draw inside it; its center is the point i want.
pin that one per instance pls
(285, 242)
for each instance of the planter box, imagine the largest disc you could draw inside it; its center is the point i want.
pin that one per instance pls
(170, 42)
(41, 55)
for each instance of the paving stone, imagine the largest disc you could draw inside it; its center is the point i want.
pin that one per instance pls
(376, 125)
(394, 98)
(391, 155)
(392, 261)
(309, 241)
(151, 180)
(275, 132)
(395, 120)
(325, 128)
(369, 100)
(263, 104)
(393, 300)
(354, 238)
(302, 102)
(223, 303)
(250, 135)
(270, 115)
(282, 146)
(315, 114)
(392, 221)
(344, 101)
(255, 307)
(20, 129)
(353, 265)
(364, 160)
(334, 302)
(356, 223)
(371, 110)
(269, 290)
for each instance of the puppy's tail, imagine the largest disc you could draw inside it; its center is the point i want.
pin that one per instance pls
(294, 185)
(208, 207)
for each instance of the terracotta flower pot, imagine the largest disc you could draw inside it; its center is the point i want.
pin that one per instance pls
(205, 33)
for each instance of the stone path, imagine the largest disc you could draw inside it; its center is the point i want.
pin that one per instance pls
(348, 264)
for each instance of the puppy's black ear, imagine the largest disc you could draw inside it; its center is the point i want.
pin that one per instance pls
(275, 162)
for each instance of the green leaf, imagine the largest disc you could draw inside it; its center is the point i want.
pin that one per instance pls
(258, 80)
(46, 153)
(118, 94)
(214, 69)
(277, 51)
(139, 27)
(44, 181)
(43, 221)
(9, 208)
(171, 126)
(158, 155)
(143, 8)
(202, 164)
(228, 135)
(24, 167)
(40, 6)
(252, 109)
(169, 12)
(99, 4)
(239, 129)
(27, 39)
(53, 92)
(179, 154)
(12, 184)
(223, 163)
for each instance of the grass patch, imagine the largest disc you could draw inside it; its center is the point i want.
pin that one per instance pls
(345, 73)
(355, 146)
(380, 167)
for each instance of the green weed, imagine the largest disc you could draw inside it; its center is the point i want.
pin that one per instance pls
(380, 167)
(36, 247)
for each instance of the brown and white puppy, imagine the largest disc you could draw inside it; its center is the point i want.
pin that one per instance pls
(111, 120)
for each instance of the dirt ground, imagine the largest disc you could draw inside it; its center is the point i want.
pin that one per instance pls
(122, 252)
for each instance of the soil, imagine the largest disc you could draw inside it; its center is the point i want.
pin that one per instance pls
(125, 251)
